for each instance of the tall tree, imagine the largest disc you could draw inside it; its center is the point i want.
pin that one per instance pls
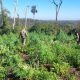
(17, 20)
(1, 7)
(15, 12)
(4, 15)
(26, 12)
(58, 4)
(34, 10)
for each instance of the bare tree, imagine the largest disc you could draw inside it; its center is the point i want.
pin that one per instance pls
(18, 20)
(58, 5)
(26, 16)
(15, 9)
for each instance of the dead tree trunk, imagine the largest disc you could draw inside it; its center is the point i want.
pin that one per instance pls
(25, 17)
(15, 9)
(57, 7)
(56, 13)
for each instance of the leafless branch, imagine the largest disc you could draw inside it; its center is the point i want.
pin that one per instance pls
(57, 6)
(53, 2)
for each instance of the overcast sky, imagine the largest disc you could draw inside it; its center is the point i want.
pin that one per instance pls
(70, 9)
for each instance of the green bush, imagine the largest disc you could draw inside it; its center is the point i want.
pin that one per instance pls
(62, 36)
(62, 53)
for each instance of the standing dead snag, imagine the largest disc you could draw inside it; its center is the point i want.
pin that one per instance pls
(26, 16)
(15, 10)
(58, 5)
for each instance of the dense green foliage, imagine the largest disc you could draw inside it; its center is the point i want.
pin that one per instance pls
(59, 50)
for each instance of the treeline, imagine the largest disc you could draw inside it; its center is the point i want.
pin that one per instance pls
(46, 26)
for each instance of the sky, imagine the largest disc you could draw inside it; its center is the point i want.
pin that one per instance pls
(70, 9)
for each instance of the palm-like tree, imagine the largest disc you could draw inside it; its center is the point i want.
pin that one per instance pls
(34, 10)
